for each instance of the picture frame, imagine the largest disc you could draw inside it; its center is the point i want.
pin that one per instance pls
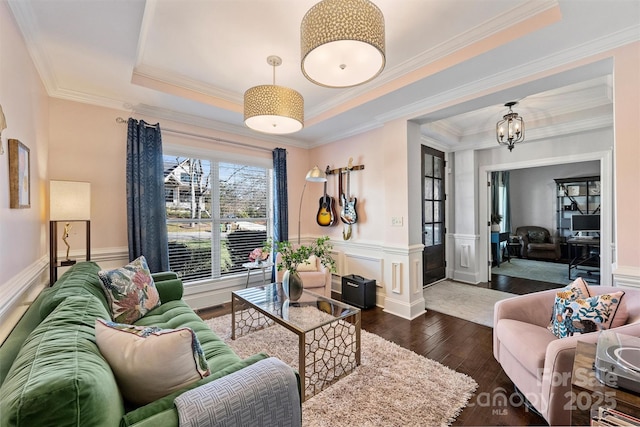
(19, 175)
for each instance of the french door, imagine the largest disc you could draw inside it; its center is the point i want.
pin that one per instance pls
(433, 231)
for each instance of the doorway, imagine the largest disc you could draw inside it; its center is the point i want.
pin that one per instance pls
(533, 199)
(433, 215)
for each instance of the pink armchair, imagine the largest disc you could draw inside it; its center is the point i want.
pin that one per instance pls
(539, 363)
(318, 281)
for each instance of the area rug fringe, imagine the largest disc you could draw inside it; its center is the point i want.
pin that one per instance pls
(392, 387)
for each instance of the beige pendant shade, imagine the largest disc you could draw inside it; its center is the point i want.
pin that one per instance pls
(273, 109)
(342, 43)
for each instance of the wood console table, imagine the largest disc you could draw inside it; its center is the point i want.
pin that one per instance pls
(587, 392)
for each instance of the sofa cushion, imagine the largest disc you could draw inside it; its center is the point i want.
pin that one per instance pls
(583, 315)
(530, 351)
(150, 362)
(59, 377)
(130, 290)
(81, 279)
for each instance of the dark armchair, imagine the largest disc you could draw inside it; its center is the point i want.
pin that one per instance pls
(537, 243)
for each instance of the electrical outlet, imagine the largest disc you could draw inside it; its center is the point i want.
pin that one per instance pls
(396, 221)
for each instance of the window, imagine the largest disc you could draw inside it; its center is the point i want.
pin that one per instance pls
(217, 213)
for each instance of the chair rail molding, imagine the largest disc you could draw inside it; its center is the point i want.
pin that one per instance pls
(626, 277)
(17, 294)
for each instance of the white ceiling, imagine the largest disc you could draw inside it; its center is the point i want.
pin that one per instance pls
(191, 61)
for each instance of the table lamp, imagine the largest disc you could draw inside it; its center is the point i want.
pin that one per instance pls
(68, 201)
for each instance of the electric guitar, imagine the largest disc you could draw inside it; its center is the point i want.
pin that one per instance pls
(326, 216)
(348, 213)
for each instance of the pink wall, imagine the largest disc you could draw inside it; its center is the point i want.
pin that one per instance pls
(88, 145)
(23, 234)
(627, 153)
(367, 185)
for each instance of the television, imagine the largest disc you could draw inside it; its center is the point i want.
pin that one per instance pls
(582, 223)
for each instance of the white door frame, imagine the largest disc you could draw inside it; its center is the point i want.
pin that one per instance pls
(607, 244)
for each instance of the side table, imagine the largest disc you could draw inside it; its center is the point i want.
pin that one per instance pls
(264, 265)
(588, 393)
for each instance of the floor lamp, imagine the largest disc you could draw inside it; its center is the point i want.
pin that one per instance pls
(314, 175)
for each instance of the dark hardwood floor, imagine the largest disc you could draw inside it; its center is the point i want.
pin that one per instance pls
(464, 346)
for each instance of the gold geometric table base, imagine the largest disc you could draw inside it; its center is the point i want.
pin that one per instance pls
(326, 353)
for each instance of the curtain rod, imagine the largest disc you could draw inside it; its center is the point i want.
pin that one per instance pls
(211, 138)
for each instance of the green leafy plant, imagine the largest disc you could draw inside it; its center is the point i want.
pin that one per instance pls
(292, 257)
(496, 218)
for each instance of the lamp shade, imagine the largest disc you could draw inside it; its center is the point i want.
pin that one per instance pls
(342, 43)
(69, 201)
(273, 109)
(316, 175)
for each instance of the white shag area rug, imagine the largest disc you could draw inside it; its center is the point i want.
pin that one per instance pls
(392, 387)
(466, 302)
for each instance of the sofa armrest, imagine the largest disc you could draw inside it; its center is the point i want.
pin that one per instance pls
(164, 275)
(535, 308)
(138, 415)
(267, 392)
(169, 286)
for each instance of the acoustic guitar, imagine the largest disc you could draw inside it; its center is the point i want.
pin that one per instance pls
(326, 216)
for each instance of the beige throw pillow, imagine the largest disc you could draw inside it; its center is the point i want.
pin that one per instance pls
(311, 264)
(150, 362)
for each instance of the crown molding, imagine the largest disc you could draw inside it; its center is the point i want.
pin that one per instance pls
(25, 18)
(540, 133)
(438, 52)
(558, 59)
(152, 77)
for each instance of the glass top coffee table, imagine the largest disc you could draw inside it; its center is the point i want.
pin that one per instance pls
(328, 331)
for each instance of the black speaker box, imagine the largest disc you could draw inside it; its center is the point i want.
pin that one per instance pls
(358, 291)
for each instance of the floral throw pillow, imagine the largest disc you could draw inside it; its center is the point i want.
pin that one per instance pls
(150, 362)
(130, 291)
(576, 289)
(583, 315)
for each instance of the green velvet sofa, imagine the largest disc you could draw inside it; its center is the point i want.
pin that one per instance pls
(53, 374)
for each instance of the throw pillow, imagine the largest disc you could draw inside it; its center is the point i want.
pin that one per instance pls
(576, 289)
(583, 315)
(149, 362)
(311, 264)
(537, 236)
(130, 290)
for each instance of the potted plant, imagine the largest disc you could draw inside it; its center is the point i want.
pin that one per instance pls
(496, 219)
(292, 257)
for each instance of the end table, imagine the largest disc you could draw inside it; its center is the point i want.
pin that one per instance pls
(264, 265)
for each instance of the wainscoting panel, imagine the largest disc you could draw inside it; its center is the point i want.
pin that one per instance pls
(396, 277)
(365, 266)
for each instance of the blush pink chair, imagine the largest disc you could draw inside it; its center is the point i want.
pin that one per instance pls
(539, 363)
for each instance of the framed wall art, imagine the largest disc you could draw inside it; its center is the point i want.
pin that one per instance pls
(19, 175)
